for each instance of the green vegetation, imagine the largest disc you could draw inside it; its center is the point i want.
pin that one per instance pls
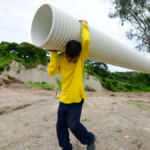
(139, 105)
(8, 68)
(58, 83)
(89, 88)
(119, 81)
(18, 71)
(42, 85)
(26, 53)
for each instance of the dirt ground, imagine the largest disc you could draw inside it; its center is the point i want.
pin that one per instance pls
(28, 119)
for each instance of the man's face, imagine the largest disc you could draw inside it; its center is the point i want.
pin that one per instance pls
(70, 59)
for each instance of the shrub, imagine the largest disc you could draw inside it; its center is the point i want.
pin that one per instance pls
(109, 85)
(18, 71)
(115, 90)
(114, 82)
(89, 88)
(58, 83)
(103, 79)
(8, 68)
(136, 86)
(120, 88)
(1, 69)
(146, 89)
(128, 86)
(30, 82)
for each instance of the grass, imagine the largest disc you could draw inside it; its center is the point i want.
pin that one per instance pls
(58, 83)
(139, 105)
(89, 88)
(42, 85)
(146, 89)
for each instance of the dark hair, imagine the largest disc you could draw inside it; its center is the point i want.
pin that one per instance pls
(73, 48)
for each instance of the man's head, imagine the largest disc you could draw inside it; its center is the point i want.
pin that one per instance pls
(73, 49)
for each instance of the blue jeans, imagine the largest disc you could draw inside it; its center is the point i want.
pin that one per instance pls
(69, 117)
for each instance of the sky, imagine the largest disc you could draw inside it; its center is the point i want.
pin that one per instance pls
(16, 19)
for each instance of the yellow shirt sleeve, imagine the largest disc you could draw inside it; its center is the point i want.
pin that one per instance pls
(54, 66)
(85, 41)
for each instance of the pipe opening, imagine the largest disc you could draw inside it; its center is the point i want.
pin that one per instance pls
(41, 25)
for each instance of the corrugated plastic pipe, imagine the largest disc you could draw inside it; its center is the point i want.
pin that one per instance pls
(52, 29)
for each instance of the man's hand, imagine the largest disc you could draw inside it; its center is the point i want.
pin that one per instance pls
(83, 21)
(50, 50)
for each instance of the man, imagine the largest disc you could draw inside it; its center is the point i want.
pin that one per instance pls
(71, 64)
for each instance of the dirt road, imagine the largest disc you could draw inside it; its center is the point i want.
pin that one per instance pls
(28, 119)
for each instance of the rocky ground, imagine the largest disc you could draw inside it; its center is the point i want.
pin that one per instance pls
(28, 118)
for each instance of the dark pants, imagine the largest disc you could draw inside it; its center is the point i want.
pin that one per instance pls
(69, 117)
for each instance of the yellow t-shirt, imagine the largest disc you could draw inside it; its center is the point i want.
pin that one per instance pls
(71, 73)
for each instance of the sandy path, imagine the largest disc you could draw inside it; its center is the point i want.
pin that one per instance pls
(28, 120)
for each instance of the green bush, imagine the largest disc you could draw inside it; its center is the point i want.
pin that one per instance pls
(128, 86)
(89, 88)
(58, 83)
(142, 78)
(115, 89)
(103, 79)
(26, 53)
(30, 82)
(8, 68)
(120, 87)
(136, 86)
(114, 82)
(108, 85)
(18, 71)
(146, 89)
(1, 69)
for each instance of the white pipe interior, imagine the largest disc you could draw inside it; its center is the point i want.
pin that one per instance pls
(41, 25)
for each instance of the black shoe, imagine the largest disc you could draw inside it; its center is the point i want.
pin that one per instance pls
(91, 145)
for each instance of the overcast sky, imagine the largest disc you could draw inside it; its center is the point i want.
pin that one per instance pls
(16, 18)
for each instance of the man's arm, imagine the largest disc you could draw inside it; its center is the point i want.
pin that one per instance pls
(53, 66)
(85, 40)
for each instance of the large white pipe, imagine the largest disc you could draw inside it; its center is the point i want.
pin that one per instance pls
(52, 29)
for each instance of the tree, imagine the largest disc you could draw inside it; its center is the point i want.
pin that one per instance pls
(137, 13)
(99, 68)
(91, 64)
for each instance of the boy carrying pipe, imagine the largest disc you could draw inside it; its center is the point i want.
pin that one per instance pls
(70, 64)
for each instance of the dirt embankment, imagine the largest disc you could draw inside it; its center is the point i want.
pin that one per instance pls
(8, 81)
(40, 74)
(28, 118)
